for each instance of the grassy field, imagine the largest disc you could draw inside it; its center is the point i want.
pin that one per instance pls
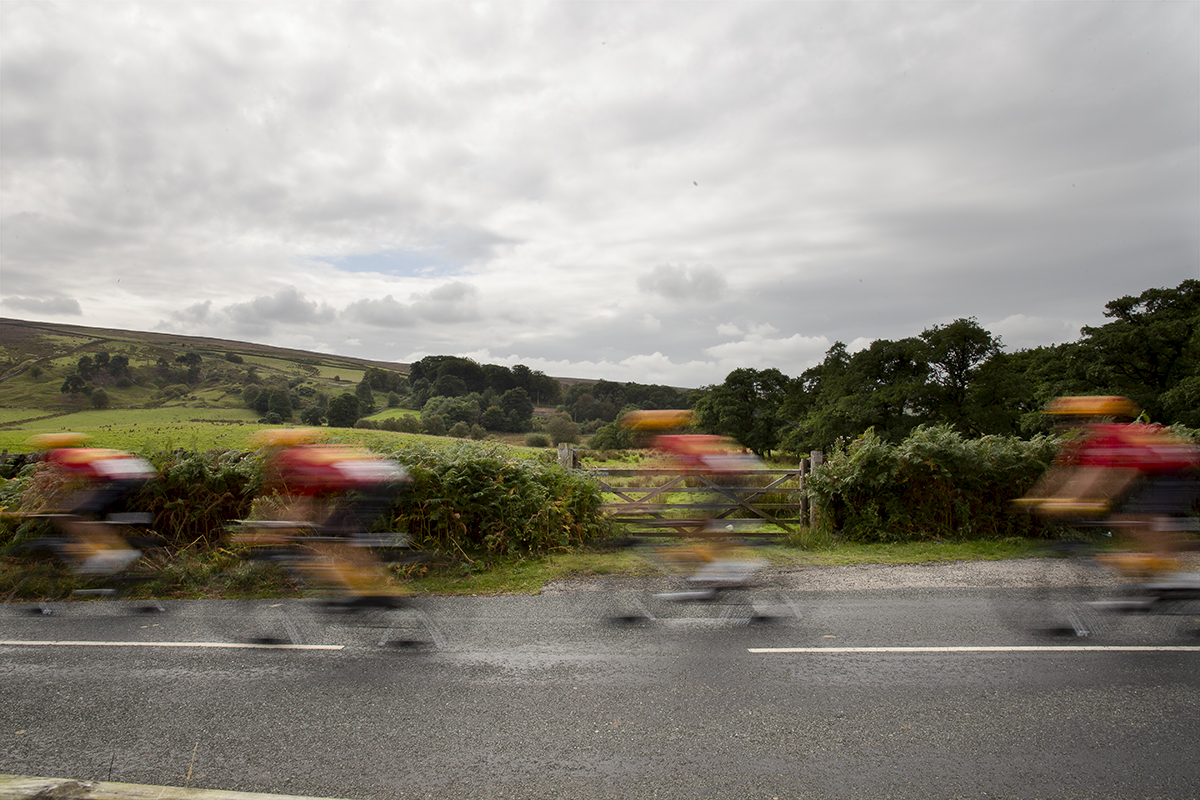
(154, 406)
(209, 434)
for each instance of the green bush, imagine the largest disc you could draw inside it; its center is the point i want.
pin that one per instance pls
(465, 499)
(480, 499)
(198, 493)
(933, 485)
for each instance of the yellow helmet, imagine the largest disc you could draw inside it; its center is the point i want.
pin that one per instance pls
(286, 437)
(55, 441)
(657, 420)
(1099, 406)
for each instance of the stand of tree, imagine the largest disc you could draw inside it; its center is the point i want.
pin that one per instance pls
(959, 375)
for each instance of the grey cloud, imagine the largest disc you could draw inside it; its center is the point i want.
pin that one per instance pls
(680, 282)
(38, 239)
(451, 302)
(197, 313)
(38, 306)
(383, 313)
(287, 305)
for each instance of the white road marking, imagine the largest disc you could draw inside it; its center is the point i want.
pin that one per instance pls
(987, 649)
(216, 645)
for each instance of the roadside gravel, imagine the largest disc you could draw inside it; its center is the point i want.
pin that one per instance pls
(1014, 573)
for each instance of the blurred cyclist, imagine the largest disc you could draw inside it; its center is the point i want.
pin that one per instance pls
(332, 495)
(713, 560)
(103, 481)
(1139, 477)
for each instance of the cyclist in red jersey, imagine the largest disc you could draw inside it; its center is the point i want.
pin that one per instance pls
(331, 495)
(104, 480)
(713, 560)
(1136, 476)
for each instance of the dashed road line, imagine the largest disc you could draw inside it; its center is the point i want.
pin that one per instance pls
(211, 645)
(984, 649)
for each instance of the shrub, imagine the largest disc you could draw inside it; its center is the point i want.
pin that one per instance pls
(174, 390)
(198, 493)
(343, 411)
(611, 437)
(481, 499)
(560, 428)
(402, 424)
(312, 416)
(194, 497)
(537, 440)
(434, 425)
(933, 485)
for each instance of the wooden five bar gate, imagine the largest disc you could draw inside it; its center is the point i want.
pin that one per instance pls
(765, 501)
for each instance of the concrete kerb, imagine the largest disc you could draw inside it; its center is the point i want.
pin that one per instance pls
(24, 787)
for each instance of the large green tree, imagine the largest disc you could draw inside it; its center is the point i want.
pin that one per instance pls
(1150, 347)
(882, 387)
(747, 408)
(518, 410)
(954, 353)
(343, 411)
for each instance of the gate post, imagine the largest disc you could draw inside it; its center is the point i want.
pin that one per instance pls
(803, 480)
(567, 459)
(817, 459)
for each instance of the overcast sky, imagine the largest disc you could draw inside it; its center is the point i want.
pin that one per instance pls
(655, 192)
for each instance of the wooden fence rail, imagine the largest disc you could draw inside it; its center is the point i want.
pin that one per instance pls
(679, 502)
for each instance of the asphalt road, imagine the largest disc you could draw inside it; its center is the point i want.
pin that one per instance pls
(533, 697)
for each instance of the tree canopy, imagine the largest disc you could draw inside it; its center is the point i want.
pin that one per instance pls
(959, 374)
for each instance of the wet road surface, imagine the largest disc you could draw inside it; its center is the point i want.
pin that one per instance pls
(535, 697)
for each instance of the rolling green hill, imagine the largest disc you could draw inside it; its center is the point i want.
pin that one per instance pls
(156, 386)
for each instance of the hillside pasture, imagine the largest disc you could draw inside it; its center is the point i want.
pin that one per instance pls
(170, 428)
(392, 413)
(8, 415)
(141, 429)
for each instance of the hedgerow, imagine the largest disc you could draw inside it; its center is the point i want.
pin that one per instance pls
(193, 499)
(465, 499)
(481, 499)
(197, 494)
(934, 484)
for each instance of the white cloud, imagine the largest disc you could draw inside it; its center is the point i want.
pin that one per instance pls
(758, 349)
(858, 344)
(1019, 331)
(385, 312)
(451, 302)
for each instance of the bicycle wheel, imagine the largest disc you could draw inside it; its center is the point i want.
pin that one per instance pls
(1066, 597)
(1172, 608)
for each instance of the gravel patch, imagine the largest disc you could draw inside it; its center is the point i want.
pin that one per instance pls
(1015, 573)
